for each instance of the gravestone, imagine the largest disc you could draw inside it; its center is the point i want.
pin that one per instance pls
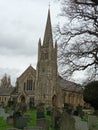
(40, 111)
(1, 110)
(10, 120)
(55, 117)
(79, 124)
(83, 125)
(43, 123)
(67, 122)
(20, 122)
(92, 120)
(3, 114)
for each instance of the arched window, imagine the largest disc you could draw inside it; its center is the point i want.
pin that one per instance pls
(29, 84)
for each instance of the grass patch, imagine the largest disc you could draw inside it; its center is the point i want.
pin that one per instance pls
(32, 114)
(49, 118)
(4, 125)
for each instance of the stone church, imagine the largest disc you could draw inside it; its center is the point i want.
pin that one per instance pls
(44, 84)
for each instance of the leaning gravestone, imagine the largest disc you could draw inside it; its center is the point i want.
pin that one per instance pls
(67, 122)
(77, 122)
(92, 120)
(55, 117)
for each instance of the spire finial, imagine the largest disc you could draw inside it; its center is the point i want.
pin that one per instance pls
(49, 4)
(48, 31)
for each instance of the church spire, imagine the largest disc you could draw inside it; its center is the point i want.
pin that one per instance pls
(48, 31)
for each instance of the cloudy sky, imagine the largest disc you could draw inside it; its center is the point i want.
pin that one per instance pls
(22, 22)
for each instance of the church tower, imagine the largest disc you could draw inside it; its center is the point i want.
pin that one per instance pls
(46, 72)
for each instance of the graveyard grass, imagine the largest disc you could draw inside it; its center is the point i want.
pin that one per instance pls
(33, 117)
(4, 125)
(32, 114)
(31, 122)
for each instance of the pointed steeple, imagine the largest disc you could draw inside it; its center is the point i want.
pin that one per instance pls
(48, 32)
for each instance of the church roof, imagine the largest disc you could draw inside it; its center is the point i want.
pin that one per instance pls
(30, 69)
(69, 86)
(6, 91)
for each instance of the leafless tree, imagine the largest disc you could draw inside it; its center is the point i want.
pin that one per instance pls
(78, 37)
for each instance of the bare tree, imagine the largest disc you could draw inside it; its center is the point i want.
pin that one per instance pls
(78, 37)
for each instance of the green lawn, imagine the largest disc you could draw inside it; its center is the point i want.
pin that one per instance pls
(32, 114)
(3, 124)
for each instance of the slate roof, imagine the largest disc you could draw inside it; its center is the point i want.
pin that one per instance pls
(69, 86)
(6, 91)
(15, 93)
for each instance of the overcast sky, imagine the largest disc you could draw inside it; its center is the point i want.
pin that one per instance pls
(22, 23)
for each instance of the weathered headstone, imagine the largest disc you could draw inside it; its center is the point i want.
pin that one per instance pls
(3, 114)
(79, 124)
(92, 120)
(20, 122)
(10, 120)
(55, 117)
(83, 125)
(67, 122)
(43, 123)
(1, 110)
(40, 111)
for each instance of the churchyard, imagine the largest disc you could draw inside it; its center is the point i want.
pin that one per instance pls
(47, 119)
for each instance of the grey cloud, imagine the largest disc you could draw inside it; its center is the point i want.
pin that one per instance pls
(21, 26)
(17, 48)
(22, 22)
